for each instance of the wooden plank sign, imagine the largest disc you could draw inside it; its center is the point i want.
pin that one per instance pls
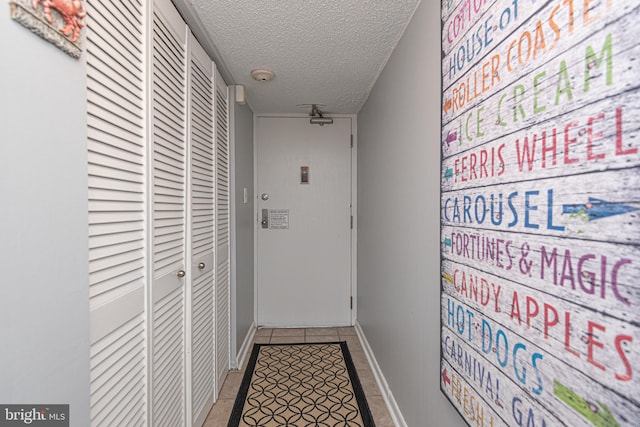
(540, 237)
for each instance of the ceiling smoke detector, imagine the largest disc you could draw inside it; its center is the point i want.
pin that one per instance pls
(263, 75)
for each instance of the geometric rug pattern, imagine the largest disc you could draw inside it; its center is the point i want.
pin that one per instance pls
(301, 385)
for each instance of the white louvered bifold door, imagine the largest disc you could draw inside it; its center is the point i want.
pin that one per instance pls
(202, 224)
(169, 109)
(116, 167)
(222, 336)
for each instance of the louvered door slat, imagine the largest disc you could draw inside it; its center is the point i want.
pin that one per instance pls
(203, 180)
(112, 95)
(98, 217)
(110, 154)
(124, 21)
(203, 356)
(126, 282)
(170, 168)
(102, 240)
(111, 134)
(116, 168)
(168, 383)
(120, 110)
(118, 383)
(166, 186)
(128, 253)
(112, 62)
(165, 42)
(131, 5)
(118, 56)
(203, 188)
(168, 231)
(118, 123)
(120, 171)
(166, 97)
(103, 71)
(165, 146)
(125, 367)
(131, 204)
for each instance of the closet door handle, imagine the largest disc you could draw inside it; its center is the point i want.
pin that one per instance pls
(202, 266)
(181, 273)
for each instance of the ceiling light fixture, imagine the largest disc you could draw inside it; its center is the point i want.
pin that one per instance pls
(317, 118)
(263, 75)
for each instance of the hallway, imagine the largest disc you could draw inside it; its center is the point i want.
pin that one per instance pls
(219, 415)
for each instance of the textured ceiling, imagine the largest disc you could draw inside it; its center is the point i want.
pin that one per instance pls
(322, 51)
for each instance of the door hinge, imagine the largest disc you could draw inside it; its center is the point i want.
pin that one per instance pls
(352, 222)
(351, 303)
(351, 141)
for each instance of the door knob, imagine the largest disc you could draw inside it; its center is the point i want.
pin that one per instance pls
(264, 196)
(181, 273)
(201, 266)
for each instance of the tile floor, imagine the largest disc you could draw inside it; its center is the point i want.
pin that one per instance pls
(219, 415)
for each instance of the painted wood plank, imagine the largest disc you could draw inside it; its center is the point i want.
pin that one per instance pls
(601, 136)
(602, 206)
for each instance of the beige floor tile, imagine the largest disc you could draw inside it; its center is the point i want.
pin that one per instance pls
(231, 385)
(379, 411)
(264, 332)
(347, 331)
(360, 361)
(260, 340)
(287, 340)
(369, 384)
(363, 370)
(288, 332)
(220, 413)
(353, 342)
(321, 331)
(322, 338)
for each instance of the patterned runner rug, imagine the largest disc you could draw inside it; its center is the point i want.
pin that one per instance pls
(301, 385)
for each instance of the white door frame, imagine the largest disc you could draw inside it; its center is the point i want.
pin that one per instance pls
(354, 206)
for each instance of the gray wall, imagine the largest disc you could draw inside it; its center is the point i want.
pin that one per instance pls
(44, 300)
(399, 224)
(243, 176)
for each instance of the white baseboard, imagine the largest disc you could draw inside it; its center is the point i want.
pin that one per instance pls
(389, 400)
(246, 346)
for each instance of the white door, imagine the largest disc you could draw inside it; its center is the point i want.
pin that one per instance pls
(223, 233)
(169, 113)
(304, 246)
(117, 214)
(202, 192)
